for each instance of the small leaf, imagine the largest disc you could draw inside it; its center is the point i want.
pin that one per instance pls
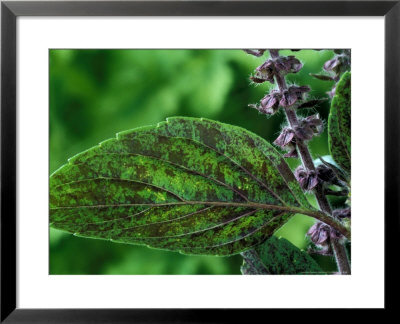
(339, 124)
(322, 77)
(312, 103)
(191, 185)
(279, 256)
(252, 263)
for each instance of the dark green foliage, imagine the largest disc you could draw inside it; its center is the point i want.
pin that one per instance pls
(191, 185)
(339, 123)
(279, 256)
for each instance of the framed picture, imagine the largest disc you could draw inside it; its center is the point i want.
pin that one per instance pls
(269, 120)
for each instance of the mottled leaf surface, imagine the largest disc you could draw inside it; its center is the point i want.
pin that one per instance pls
(278, 256)
(191, 185)
(339, 123)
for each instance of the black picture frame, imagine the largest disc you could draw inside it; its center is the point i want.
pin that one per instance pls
(10, 10)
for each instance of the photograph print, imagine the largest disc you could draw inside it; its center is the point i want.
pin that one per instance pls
(200, 161)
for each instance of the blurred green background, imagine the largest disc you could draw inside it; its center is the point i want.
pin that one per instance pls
(96, 93)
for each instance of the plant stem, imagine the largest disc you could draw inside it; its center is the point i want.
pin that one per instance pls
(342, 260)
(304, 152)
(308, 163)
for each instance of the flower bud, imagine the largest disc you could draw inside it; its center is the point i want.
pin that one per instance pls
(285, 137)
(332, 64)
(271, 67)
(340, 174)
(291, 95)
(326, 174)
(314, 122)
(303, 132)
(338, 65)
(287, 140)
(342, 213)
(288, 98)
(265, 72)
(321, 234)
(308, 127)
(270, 103)
(255, 52)
(288, 64)
(334, 234)
(307, 178)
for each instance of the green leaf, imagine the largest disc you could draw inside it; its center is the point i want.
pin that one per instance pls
(252, 263)
(278, 256)
(191, 185)
(339, 124)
